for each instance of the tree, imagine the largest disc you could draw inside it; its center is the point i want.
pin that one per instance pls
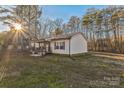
(74, 22)
(57, 32)
(26, 15)
(85, 23)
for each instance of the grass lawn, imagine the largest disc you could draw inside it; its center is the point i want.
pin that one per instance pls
(83, 70)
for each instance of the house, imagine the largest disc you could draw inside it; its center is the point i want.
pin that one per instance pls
(73, 43)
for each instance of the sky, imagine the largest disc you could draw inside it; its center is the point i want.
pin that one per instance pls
(63, 11)
(66, 11)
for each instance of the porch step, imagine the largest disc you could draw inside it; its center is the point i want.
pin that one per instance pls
(38, 53)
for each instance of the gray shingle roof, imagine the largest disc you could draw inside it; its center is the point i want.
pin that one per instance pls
(59, 37)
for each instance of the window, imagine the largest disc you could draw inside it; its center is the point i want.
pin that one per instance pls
(56, 45)
(62, 45)
(59, 45)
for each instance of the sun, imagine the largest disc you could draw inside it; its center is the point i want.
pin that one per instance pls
(17, 26)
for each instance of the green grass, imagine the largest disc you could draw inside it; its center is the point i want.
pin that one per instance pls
(83, 70)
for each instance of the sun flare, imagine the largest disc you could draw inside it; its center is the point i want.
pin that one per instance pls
(17, 26)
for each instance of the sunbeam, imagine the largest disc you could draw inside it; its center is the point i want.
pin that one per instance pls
(16, 33)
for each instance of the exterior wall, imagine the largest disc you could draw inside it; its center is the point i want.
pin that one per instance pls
(59, 51)
(78, 44)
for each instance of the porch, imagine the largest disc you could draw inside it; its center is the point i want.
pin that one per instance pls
(40, 47)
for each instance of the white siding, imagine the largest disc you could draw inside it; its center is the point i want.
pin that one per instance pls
(78, 44)
(60, 51)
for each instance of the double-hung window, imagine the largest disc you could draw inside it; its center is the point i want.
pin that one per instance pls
(56, 45)
(59, 45)
(62, 45)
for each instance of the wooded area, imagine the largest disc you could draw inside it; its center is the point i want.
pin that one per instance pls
(103, 28)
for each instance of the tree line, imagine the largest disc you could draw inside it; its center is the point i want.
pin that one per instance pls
(104, 29)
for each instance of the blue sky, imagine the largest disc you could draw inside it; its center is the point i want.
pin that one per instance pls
(66, 11)
(63, 11)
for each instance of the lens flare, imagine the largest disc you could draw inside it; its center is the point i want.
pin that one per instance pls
(17, 26)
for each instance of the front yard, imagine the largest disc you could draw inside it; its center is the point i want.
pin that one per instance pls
(84, 70)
